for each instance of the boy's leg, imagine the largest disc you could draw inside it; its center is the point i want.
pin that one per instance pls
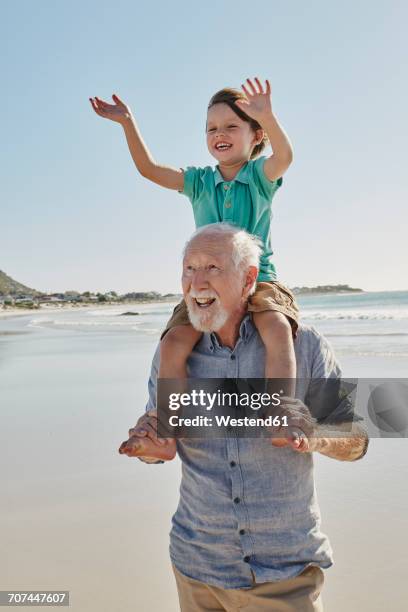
(276, 333)
(175, 348)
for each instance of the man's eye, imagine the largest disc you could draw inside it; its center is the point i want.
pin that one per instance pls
(212, 268)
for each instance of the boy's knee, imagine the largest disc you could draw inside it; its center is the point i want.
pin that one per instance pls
(179, 337)
(272, 319)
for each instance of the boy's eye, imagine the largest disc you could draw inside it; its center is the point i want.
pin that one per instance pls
(232, 126)
(211, 130)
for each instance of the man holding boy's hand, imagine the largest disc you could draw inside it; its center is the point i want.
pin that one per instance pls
(246, 533)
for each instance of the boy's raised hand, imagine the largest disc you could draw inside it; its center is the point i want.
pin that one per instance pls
(118, 112)
(258, 103)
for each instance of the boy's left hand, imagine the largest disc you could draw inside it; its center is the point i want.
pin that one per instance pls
(258, 104)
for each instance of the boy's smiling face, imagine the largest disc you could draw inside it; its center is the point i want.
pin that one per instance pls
(229, 139)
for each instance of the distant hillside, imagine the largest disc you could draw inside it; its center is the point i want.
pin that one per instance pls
(326, 289)
(8, 286)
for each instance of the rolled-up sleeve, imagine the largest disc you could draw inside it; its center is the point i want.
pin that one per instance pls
(152, 384)
(331, 398)
(152, 389)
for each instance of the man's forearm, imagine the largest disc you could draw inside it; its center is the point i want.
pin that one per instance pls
(349, 448)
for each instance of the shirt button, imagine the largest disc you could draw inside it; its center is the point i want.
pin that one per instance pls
(232, 357)
(247, 559)
(232, 463)
(236, 500)
(228, 205)
(226, 187)
(242, 532)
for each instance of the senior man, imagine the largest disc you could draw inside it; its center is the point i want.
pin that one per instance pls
(246, 534)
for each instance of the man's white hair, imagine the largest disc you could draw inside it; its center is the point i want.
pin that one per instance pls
(246, 248)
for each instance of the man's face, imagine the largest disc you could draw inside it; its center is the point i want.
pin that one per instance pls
(213, 288)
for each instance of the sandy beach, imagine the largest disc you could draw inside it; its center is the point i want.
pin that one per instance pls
(77, 516)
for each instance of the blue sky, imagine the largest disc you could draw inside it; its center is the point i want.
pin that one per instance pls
(75, 214)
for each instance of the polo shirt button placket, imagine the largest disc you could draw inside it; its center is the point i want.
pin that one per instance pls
(227, 203)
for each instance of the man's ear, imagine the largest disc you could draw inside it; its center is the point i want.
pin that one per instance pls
(250, 279)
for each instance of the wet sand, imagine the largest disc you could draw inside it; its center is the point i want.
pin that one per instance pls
(75, 515)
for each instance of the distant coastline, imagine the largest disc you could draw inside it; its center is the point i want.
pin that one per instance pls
(322, 289)
(16, 295)
(22, 303)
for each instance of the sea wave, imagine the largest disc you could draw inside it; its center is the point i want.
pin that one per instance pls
(364, 335)
(355, 315)
(62, 323)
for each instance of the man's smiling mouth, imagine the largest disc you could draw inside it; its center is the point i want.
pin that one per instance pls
(204, 302)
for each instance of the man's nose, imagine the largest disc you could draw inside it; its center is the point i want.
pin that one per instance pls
(199, 280)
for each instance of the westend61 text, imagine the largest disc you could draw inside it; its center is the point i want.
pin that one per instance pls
(207, 400)
(225, 421)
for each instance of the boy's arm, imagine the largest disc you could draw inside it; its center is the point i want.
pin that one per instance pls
(277, 164)
(144, 162)
(162, 175)
(258, 106)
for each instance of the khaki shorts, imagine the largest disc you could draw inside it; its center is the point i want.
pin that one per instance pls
(268, 296)
(298, 594)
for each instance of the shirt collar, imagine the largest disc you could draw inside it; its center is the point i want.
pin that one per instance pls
(242, 176)
(246, 329)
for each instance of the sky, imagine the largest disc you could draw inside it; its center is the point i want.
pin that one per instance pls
(76, 215)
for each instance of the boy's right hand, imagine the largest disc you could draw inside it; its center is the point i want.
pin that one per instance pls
(118, 112)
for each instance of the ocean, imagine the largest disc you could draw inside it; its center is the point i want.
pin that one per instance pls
(364, 325)
(76, 515)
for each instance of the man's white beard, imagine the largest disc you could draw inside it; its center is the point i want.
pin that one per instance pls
(206, 321)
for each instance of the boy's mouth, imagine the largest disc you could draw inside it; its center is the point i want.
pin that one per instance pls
(223, 146)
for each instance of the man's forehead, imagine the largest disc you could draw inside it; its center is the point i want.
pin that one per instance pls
(209, 247)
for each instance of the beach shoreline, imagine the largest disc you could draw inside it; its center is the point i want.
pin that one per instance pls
(12, 312)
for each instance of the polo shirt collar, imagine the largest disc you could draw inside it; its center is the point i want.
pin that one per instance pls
(242, 176)
(246, 330)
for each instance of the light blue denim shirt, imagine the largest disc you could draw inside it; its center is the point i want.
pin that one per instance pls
(245, 504)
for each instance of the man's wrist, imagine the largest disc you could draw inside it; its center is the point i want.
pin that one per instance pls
(319, 445)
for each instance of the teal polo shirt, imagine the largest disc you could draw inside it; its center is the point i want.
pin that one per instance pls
(245, 201)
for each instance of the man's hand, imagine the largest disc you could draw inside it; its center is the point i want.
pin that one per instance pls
(301, 430)
(117, 112)
(143, 441)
